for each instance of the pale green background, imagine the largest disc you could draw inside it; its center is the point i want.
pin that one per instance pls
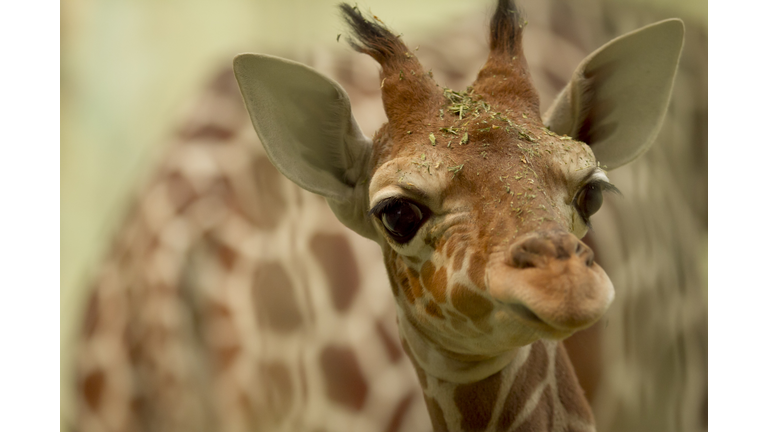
(128, 70)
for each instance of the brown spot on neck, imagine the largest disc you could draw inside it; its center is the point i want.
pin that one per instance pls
(337, 260)
(436, 415)
(585, 354)
(475, 402)
(274, 298)
(344, 381)
(541, 418)
(568, 390)
(532, 373)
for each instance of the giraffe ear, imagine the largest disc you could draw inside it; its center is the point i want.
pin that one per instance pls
(618, 96)
(304, 120)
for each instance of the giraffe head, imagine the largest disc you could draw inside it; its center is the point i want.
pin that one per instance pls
(478, 203)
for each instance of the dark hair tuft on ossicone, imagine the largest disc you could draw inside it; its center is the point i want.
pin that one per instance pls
(506, 27)
(372, 38)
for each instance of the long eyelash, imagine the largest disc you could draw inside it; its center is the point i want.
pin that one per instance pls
(384, 205)
(607, 187)
(604, 187)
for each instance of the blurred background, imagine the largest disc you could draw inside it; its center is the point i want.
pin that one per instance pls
(131, 69)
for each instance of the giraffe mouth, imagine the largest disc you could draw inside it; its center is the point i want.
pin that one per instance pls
(531, 320)
(558, 300)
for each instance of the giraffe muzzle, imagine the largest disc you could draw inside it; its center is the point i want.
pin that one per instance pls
(550, 280)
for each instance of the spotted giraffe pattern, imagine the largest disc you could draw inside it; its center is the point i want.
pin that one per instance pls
(201, 264)
(165, 349)
(535, 393)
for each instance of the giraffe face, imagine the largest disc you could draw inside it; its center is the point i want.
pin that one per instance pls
(478, 207)
(480, 216)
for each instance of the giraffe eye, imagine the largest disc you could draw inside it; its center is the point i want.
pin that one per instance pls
(400, 218)
(590, 198)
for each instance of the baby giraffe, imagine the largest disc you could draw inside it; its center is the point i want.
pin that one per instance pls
(478, 204)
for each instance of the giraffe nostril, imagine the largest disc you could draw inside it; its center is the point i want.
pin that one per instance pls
(523, 259)
(589, 259)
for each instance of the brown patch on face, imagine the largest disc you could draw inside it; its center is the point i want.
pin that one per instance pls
(541, 417)
(439, 285)
(274, 298)
(532, 373)
(344, 381)
(458, 325)
(436, 415)
(394, 351)
(278, 388)
(399, 413)
(427, 272)
(450, 248)
(475, 402)
(434, 282)
(406, 286)
(458, 316)
(584, 351)
(180, 191)
(469, 303)
(415, 283)
(92, 388)
(458, 321)
(337, 260)
(434, 310)
(568, 391)
(458, 259)
(477, 270)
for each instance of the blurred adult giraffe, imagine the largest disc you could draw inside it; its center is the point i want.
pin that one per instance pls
(194, 270)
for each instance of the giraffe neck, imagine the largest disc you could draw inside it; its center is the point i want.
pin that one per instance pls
(533, 388)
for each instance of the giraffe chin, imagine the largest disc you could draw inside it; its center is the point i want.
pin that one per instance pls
(555, 301)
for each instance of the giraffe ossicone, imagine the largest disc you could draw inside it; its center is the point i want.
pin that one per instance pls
(477, 202)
